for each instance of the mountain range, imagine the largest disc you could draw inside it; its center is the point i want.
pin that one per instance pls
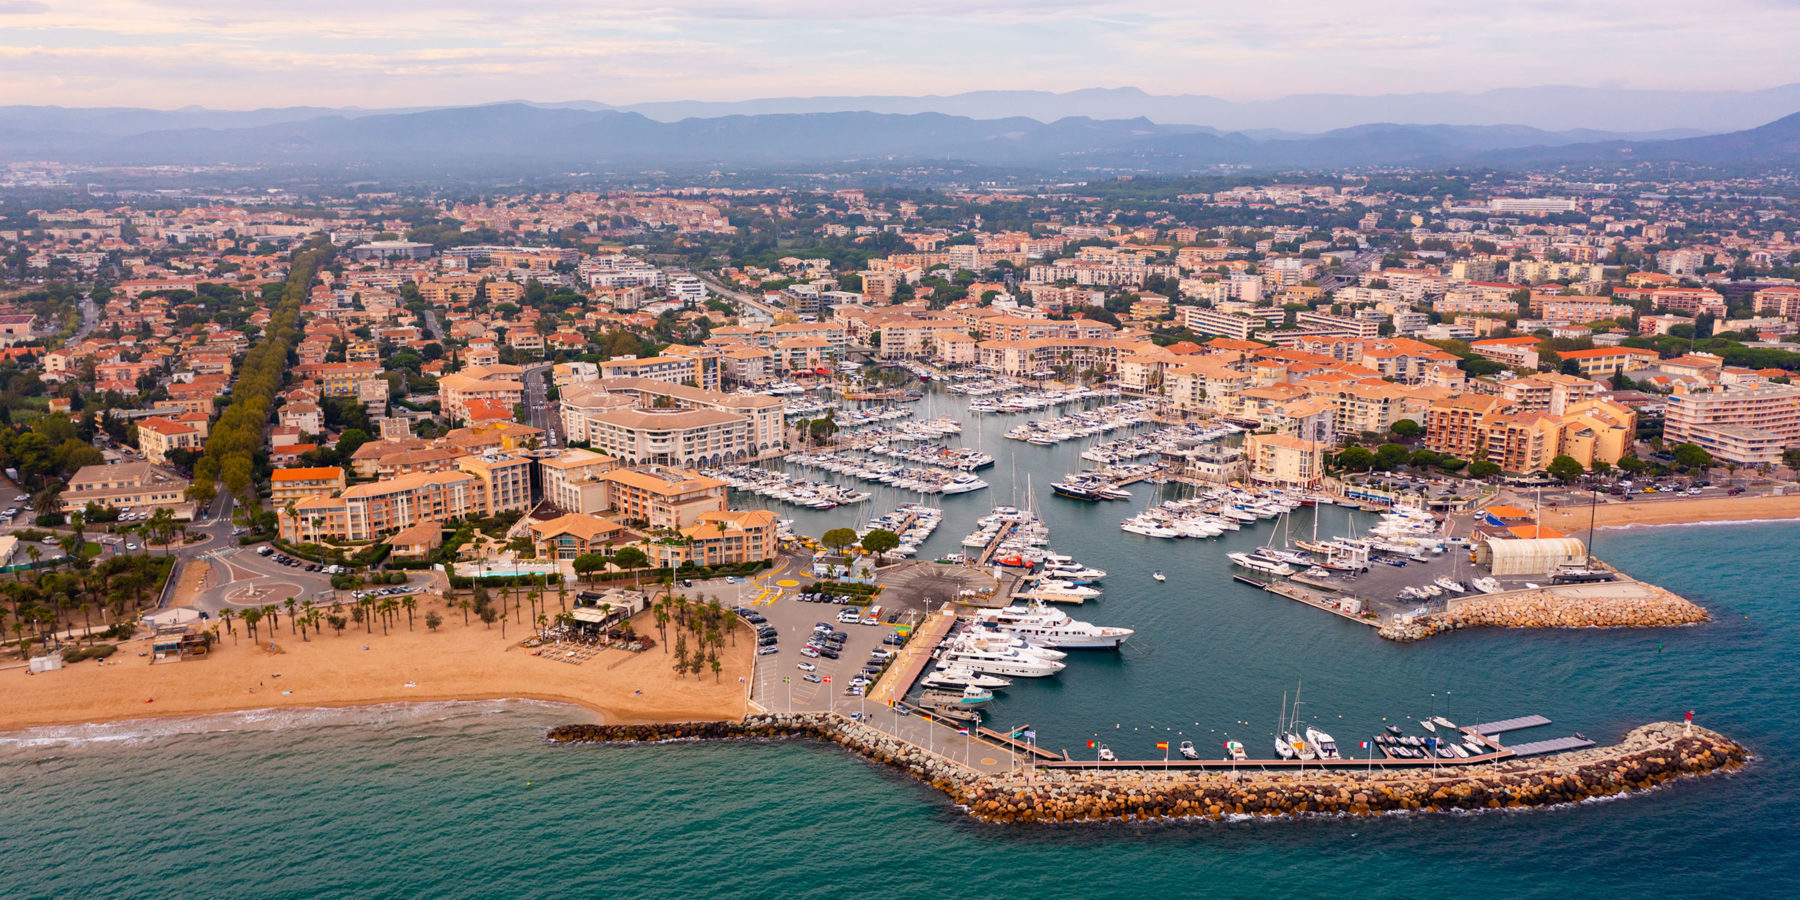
(535, 138)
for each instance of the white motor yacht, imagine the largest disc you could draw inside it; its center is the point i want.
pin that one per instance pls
(1322, 743)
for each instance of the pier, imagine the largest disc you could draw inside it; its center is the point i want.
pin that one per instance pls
(993, 547)
(912, 660)
(1317, 600)
(1505, 725)
(1025, 748)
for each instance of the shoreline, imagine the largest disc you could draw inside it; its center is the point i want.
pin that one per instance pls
(1647, 756)
(1637, 513)
(455, 663)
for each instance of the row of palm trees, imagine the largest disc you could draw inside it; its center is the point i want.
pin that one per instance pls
(308, 614)
(706, 620)
(49, 601)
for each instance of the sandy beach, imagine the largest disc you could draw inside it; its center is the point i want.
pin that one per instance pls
(457, 662)
(1615, 514)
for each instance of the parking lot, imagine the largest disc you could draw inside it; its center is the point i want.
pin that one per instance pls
(793, 622)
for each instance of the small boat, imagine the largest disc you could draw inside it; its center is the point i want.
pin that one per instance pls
(1324, 743)
(1428, 725)
(1159, 576)
(1393, 730)
(1106, 754)
(1235, 750)
(1440, 720)
(1188, 751)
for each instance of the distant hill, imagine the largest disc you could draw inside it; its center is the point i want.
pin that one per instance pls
(535, 138)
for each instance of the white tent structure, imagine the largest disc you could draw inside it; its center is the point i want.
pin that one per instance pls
(1532, 556)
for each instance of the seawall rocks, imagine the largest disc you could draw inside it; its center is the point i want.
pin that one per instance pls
(1647, 756)
(1556, 608)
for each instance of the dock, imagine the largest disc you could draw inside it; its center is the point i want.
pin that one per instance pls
(912, 660)
(1317, 600)
(993, 547)
(1295, 765)
(1024, 748)
(1553, 745)
(1505, 725)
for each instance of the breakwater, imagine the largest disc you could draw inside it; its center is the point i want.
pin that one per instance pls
(1625, 604)
(1647, 756)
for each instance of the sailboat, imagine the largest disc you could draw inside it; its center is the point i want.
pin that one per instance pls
(1283, 748)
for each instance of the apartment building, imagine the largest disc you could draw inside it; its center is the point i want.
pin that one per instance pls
(365, 512)
(139, 485)
(1603, 362)
(1748, 426)
(678, 437)
(158, 435)
(1549, 392)
(1280, 460)
(1203, 320)
(503, 482)
(763, 413)
(1513, 352)
(574, 534)
(571, 480)
(498, 383)
(1454, 425)
(296, 484)
(1780, 301)
(663, 497)
(670, 369)
(721, 537)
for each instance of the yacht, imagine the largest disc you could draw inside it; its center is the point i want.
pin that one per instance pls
(1003, 661)
(1322, 742)
(1106, 754)
(1235, 750)
(1300, 747)
(969, 696)
(963, 676)
(1159, 576)
(1486, 585)
(1053, 628)
(1259, 564)
(1188, 751)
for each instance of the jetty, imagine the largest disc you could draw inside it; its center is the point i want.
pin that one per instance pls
(1319, 600)
(1058, 791)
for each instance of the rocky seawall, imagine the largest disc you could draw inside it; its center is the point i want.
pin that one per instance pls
(1647, 756)
(1635, 605)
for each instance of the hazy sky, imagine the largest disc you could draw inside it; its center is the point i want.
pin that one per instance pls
(376, 53)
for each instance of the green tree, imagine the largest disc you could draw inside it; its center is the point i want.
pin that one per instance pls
(631, 559)
(1391, 456)
(1692, 457)
(838, 539)
(1564, 469)
(1408, 428)
(880, 541)
(432, 620)
(1631, 465)
(1482, 469)
(587, 564)
(1356, 459)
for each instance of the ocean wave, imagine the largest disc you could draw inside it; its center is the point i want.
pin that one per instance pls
(1634, 525)
(268, 719)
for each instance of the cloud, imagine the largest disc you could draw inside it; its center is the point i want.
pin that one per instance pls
(238, 53)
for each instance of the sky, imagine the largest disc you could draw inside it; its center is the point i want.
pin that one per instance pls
(243, 54)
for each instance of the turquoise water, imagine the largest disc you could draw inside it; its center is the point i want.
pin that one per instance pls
(434, 800)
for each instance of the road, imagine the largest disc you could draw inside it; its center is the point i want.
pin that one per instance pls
(538, 409)
(431, 326)
(724, 290)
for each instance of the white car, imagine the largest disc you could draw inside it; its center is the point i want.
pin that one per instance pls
(131, 546)
(806, 667)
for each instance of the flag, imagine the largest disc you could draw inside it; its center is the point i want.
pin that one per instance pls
(1090, 745)
(1364, 745)
(786, 680)
(962, 731)
(1162, 745)
(828, 679)
(1028, 734)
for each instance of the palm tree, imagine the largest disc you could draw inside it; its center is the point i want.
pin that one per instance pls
(226, 615)
(252, 616)
(290, 603)
(408, 602)
(464, 605)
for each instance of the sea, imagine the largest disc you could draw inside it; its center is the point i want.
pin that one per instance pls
(466, 800)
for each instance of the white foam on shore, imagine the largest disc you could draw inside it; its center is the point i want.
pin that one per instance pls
(137, 731)
(1632, 525)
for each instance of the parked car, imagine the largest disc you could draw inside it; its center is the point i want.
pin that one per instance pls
(806, 667)
(812, 678)
(765, 651)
